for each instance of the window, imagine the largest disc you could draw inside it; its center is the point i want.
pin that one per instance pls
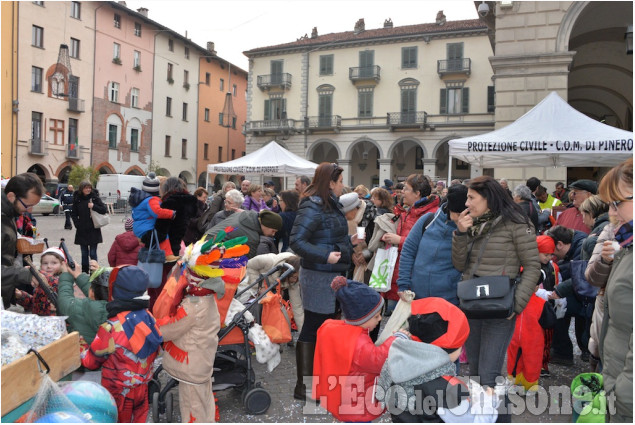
(170, 69)
(234, 90)
(455, 99)
(205, 151)
(233, 153)
(74, 53)
(116, 51)
(455, 56)
(137, 29)
(222, 84)
(275, 108)
(170, 45)
(207, 114)
(117, 21)
(365, 102)
(73, 148)
(112, 136)
(325, 109)
(234, 123)
(168, 139)
(76, 10)
(276, 71)
(326, 64)
(36, 126)
(220, 117)
(134, 98)
(409, 57)
(168, 106)
(57, 131)
(136, 60)
(220, 154)
(38, 3)
(491, 99)
(184, 111)
(366, 63)
(37, 36)
(36, 79)
(208, 77)
(408, 105)
(113, 92)
(184, 148)
(186, 77)
(187, 53)
(134, 139)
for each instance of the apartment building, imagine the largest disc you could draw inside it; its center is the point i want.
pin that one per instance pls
(53, 107)
(381, 102)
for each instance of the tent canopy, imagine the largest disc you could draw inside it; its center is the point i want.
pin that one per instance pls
(552, 134)
(271, 160)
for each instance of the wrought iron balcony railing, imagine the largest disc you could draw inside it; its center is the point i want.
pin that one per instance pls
(362, 73)
(37, 147)
(406, 119)
(454, 66)
(266, 82)
(267, 126)
(325, 122)
(75, 104)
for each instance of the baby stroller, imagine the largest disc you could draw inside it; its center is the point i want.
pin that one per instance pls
(232, 363)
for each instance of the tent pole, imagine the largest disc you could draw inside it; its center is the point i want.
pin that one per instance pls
(206, 181)
(449, 169)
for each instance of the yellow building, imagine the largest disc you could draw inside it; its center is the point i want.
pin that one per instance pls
(9, 12)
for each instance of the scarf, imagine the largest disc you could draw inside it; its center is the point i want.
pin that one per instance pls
(482, 224)
(624, 235)
(138, 324)
(115, 307)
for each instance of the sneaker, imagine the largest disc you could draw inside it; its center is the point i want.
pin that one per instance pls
(544, 373)
(585, 356)
(561, 360)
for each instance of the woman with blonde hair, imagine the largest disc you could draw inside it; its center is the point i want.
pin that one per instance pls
(254, 200)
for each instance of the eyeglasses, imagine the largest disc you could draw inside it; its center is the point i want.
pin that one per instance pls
(615, 204)
(26, 206)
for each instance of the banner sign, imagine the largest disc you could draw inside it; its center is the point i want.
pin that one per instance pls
(557, 146)
(245, 169)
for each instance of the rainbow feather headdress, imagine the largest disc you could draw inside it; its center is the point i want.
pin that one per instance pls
(217, 258)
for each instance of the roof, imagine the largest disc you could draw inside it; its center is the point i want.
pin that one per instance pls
(378, 34)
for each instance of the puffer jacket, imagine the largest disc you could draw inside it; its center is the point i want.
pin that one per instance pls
(510, 246)
(565, 288)
(589, 243)
(13, 275)
(616, 336)
(317, 232)
(184, 205)
(425, 266)
(245, 223)
(124, 250)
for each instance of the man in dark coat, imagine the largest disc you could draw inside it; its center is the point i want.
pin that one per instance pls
(66, 198)
(22, 192)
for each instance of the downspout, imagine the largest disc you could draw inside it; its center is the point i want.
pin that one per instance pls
(14, 90)
(154, 67)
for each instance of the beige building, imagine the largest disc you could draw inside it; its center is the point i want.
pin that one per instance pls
(382, 102)
(54, 118)
(10, 105)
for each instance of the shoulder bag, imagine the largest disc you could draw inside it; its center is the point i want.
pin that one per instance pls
(486, 297)
(99, 220)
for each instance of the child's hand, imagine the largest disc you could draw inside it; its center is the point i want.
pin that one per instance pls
(18, 294)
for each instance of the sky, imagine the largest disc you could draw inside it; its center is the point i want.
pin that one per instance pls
(239, 25)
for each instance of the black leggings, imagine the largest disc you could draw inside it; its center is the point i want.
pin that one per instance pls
(312, 322)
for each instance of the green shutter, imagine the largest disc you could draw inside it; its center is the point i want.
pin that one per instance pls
(490, 99)
(466, 100)
(443, 107)
(267, 113)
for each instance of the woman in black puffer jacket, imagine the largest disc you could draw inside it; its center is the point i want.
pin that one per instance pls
(320, 237)
(86, 235)
(176, 197)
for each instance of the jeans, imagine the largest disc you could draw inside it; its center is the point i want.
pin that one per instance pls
(486, 347)
(561, 344)
(67, 223)
(312, 322)
(88, 250)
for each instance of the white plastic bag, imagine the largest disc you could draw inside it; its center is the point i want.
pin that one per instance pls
(35, 331)
(385, 260)
(398, 317)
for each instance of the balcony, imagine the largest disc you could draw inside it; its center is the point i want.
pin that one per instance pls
(37, 147)
(259, 128)
(454, 66)
(329, 122)
(273, 81)
(415, 119)
(364, 73)
(72, 153)
(75, 104)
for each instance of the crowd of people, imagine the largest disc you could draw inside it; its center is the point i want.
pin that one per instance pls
(566, 255)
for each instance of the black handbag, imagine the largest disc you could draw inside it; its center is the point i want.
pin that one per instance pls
(486, 297)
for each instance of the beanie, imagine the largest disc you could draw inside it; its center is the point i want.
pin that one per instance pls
(359, 302)
(546, 245)
(349, 201)
(270, 219)
(128, 224)
(127, 283)
(441, 182)
(457, 196)
(388, 182)
(55, 251)
(438, 322)
(151, 183)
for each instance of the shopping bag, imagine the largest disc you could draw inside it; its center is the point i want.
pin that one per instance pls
(275, 320)
(589, 398)
(398, 318)
(151, 259)
(99, 220)
(385, 260)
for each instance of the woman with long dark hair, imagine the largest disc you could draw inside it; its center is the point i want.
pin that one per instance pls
(320, 237)
(87, 236)
(289, 200)
(494, 219)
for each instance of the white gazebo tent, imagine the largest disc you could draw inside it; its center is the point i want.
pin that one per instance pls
(271, 160)
(551, 134)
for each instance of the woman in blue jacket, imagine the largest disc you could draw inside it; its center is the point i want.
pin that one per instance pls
(320, 237)
(426, 257)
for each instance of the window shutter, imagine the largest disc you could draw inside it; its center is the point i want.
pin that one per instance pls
(443, 108)
(490, 99)
(466, 100)
(267, 113)
(284, 108)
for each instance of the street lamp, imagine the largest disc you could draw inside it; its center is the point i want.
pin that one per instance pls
(628, 36)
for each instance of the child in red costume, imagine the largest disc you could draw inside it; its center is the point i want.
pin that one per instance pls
(347, 362)
(127, 344)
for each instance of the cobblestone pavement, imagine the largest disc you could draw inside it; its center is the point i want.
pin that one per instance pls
(279, 383)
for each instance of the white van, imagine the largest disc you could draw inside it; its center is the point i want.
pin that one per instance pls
(110, 185)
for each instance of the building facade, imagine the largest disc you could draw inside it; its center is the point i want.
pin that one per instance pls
(9, 40)
(382, 102)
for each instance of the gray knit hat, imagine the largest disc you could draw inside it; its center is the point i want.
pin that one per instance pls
(151, 183)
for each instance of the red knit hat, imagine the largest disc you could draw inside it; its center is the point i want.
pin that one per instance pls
(438, 322)
(546, 244)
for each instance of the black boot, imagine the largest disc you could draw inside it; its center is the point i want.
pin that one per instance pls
(304, 352)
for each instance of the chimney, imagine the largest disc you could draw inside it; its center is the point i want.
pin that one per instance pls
(143, 11)
(210, 47)
(440, 18)
(359, 26)
(314, 33)
(388, 23)
(123, 3)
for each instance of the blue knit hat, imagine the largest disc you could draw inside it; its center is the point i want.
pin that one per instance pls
(359, 302)
(127, 283)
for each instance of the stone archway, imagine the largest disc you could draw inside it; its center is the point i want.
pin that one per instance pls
(323, 150)
(40, 171)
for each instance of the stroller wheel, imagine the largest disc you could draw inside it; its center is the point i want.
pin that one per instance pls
(155, 408)
(153, 387)
(169, 404)
(257, 401)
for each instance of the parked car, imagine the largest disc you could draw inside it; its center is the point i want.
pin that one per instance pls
(47, 205)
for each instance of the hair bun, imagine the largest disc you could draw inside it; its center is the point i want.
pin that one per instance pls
(338, 282)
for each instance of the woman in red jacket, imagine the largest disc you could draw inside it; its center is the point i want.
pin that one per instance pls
(125, 248)
(416, 202)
